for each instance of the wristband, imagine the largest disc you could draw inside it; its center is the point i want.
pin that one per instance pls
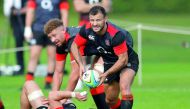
(73, 95)
(27, 31)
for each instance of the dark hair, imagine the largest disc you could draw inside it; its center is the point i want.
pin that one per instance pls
(51, 25)
(97, 9)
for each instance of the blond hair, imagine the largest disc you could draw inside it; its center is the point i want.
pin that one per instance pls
(51, 25)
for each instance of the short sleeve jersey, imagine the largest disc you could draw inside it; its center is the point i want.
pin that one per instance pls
(109, 45)
(46, 10)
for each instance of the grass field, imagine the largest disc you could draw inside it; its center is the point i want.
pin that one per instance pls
(166, 72)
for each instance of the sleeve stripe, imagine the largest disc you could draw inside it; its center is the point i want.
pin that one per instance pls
(121, 48)
(64, 5)
(79, 40)
(31, 4)
(61, 57)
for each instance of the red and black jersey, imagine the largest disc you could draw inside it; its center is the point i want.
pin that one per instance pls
(63, 50)
(114, 42)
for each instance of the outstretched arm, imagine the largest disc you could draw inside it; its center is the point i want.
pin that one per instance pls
(78, 57)
(58, 75)
(56, 96)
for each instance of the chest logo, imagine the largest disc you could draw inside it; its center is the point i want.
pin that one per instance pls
(107, 42)
(91, 37)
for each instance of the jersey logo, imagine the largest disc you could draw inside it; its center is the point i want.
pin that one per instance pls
(91, 37)
(102, 50)
(47, 4)
(107, 42)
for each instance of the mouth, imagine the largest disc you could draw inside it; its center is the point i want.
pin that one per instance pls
(96, 27)
(57, 43)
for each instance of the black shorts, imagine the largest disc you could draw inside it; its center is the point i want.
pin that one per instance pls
(133, 63)
(39, 38)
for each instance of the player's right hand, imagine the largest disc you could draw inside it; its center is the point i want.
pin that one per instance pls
(81, 96)
(28, 33)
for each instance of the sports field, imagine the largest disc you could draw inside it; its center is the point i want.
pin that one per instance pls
(166, 71)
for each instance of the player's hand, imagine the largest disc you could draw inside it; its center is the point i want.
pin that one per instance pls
(81, 96)
(63, 101)
(103, 77)
(28, 34)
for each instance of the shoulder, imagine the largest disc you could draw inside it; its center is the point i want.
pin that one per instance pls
(112, 29)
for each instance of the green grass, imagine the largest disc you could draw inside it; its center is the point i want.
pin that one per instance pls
(166, 64)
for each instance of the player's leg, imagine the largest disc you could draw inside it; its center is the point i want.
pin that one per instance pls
(51, 51)
(19, 39)
(35, 51)
(98, 93)
(1, 104)
(32, 96)
(126, 79)
(112, 94)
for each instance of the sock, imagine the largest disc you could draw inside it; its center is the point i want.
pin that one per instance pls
(99, 97)
(1, 105)
(127, 102)
(117, 105)
(29, 76)
(49, 78)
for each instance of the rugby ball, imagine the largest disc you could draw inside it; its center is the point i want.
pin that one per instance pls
(91, 78)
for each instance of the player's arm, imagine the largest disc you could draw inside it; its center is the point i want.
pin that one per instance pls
(59, 95)
(94, 61)
(58, 75)
(59, 68)
(79, 41)
(31, 5)
(55, 97)
(64, 7)
(120, 49)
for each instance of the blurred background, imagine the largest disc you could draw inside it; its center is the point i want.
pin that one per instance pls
(161, 33)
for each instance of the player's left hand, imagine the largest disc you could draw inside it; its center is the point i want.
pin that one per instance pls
(103, 77)
(81, 96)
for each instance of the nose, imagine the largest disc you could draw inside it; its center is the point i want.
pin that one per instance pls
(53, 39)
(94, 23)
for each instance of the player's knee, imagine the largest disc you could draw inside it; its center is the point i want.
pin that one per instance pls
(111, 100)
(28, 83)
(125, 89)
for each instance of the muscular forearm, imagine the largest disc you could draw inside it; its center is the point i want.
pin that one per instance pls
(64, 17)
(76, 54)
(118, 65)
(29, 17)
(95, 60)
(57, 81)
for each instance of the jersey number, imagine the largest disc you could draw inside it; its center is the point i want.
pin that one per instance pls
(47, 4)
